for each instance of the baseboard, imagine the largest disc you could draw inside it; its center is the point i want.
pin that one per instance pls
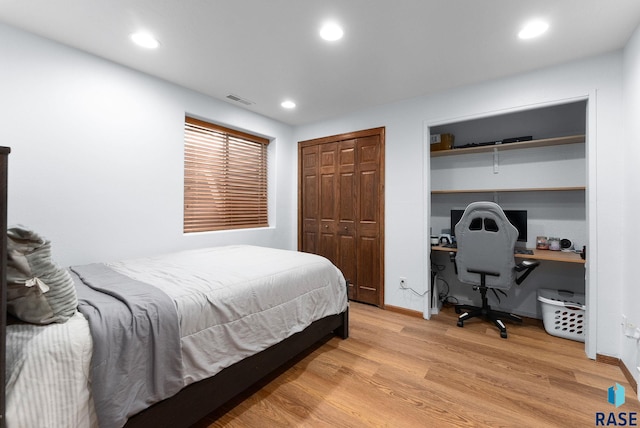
(404, 311)
(618, 362)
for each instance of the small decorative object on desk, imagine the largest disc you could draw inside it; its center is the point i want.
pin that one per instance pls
(566, 244)
(445, 239)
(554, 244)
(541, 243)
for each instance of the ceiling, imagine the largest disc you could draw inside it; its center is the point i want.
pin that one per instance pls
(268, 51)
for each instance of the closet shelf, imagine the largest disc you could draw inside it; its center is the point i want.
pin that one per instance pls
(558, 141)
(526, 189)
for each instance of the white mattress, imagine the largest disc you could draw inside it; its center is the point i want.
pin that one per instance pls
(232, 302)
(237, 301)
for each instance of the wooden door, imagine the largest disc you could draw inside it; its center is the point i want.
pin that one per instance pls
(328, 179)
(308, 185)
(369, 220)
(341, 207)
(347, 216)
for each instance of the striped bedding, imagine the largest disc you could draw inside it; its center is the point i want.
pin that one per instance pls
(48, 375)
(232, 302)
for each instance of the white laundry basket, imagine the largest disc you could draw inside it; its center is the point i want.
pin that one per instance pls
(563, 313)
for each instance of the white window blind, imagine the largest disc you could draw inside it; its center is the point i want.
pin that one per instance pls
(225, 178)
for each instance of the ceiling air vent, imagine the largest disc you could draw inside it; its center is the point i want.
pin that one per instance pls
(240, 100)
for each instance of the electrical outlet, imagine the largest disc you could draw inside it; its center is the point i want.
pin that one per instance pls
(403, 282)
(629, 328)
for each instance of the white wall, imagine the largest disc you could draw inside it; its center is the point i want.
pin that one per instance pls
(97, 154)
(405, 228)
(631, 184)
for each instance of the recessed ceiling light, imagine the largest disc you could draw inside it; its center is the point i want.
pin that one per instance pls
(533, 29)
(331, 32)
(288, 104)
(145, 40)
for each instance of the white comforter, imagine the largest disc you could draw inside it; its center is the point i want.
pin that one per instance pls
(232, 302)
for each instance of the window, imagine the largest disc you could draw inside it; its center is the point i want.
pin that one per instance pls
(225, 178)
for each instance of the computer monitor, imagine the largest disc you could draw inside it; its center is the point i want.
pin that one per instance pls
(518, 218)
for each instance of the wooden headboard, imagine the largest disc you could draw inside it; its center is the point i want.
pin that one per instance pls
(4, 154)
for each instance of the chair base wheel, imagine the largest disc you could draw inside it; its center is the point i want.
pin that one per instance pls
(503, 334)
(460, 324)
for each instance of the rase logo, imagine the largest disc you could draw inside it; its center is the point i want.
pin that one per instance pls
(615, 396)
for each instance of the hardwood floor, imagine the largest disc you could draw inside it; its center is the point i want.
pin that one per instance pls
(401, 371)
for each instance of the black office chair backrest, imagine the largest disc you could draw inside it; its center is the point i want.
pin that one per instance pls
(486, 241)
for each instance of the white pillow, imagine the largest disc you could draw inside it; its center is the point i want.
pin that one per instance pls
(38, 290)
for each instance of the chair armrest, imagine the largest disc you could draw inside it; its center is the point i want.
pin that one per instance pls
(527, 266)
(452, 258)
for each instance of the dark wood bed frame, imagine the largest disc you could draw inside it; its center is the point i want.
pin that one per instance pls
(206, 396)
(198, 399)
(4, 154)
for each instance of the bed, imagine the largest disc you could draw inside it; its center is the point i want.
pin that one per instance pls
(239, 313)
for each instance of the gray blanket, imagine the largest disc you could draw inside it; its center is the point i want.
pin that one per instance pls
(136, 342)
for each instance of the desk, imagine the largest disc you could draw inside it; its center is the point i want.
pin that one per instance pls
(554, 256)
